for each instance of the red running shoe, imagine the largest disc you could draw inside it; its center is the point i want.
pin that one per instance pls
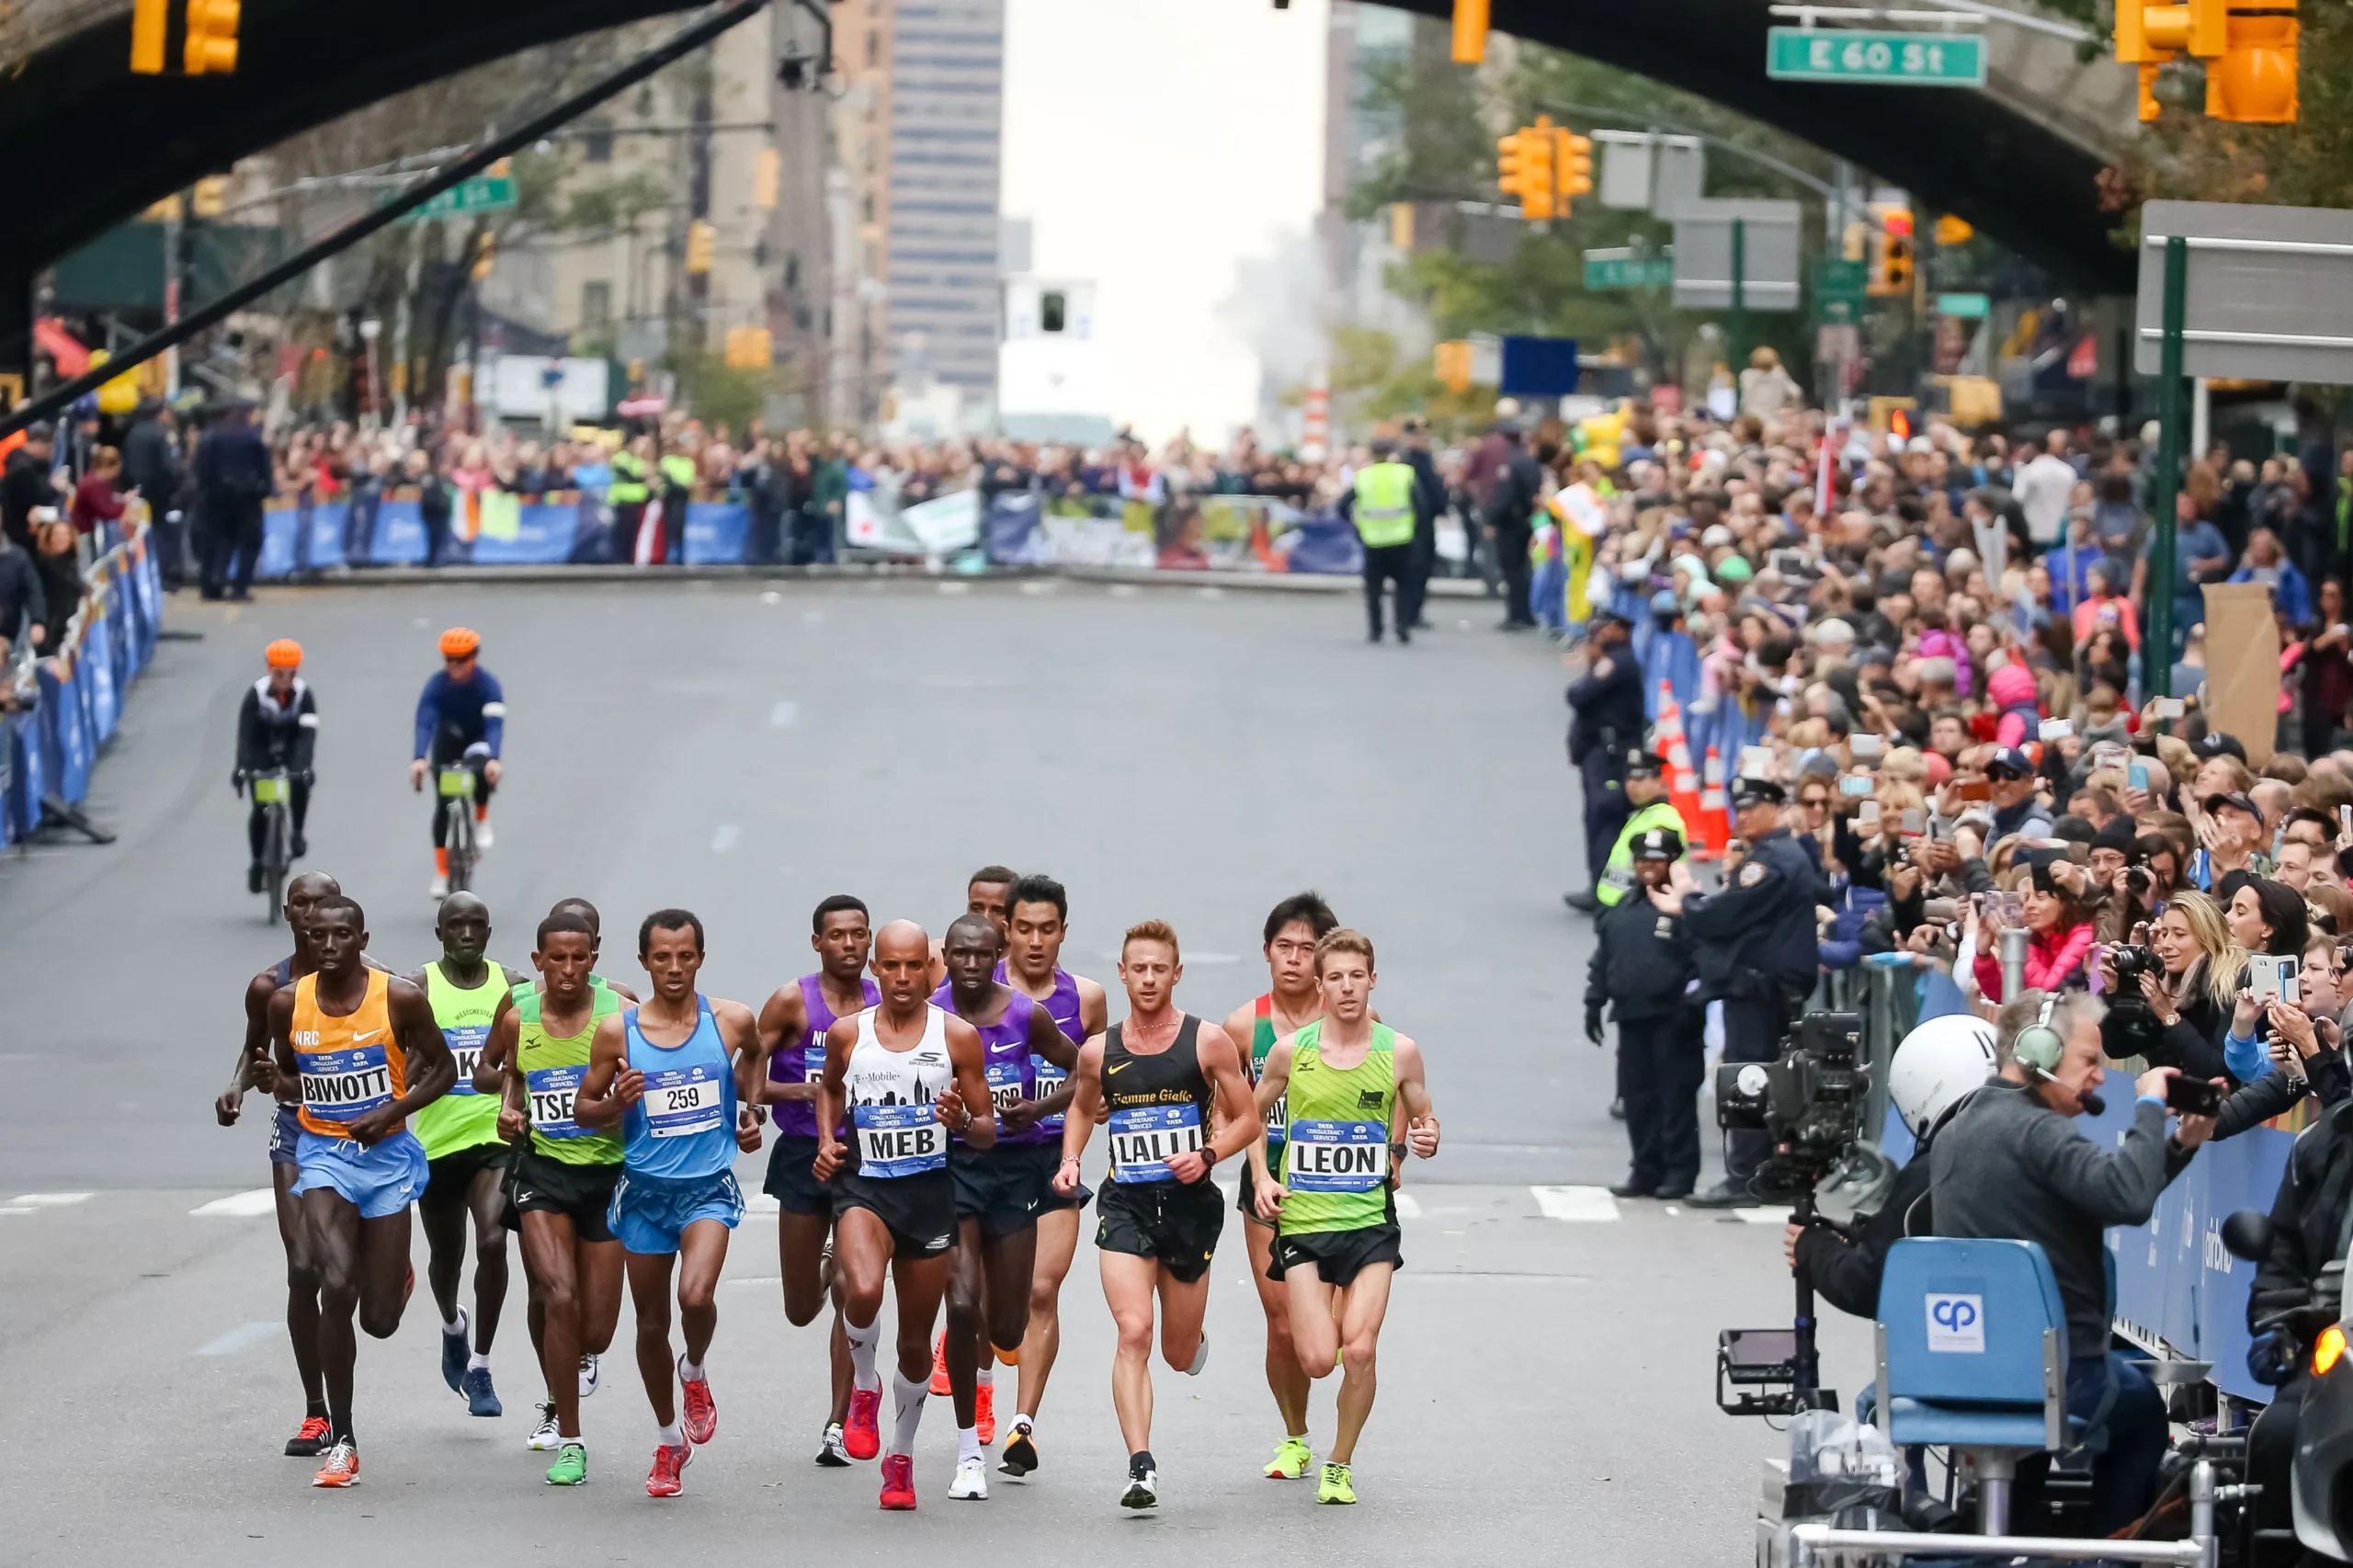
(309, 1439)
(862, 1433)
(899, 1483)
(984, 1413)
(343, 1467)
(939, 1363)
(701, 1416)
(668, 1462)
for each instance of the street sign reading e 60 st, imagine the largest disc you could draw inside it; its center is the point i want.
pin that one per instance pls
(1914, 60)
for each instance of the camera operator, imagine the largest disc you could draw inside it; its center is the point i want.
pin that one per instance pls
(2173, 995)
(1757, 954)
(1643, 966)
(2008, 1165)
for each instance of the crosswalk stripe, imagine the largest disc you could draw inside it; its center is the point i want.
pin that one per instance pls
(1409, 1206)
(1575, 1203)
(254, 1205)
(240, 1338)
(49, 1199)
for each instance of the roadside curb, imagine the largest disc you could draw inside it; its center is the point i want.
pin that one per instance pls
(1247, 582)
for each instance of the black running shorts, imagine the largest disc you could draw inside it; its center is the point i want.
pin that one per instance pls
(453, 1174)
(792, 1182)
(1175, 1222)
(995, 1186)
(919, 1210)
(1338, 1256)
(583, 1194)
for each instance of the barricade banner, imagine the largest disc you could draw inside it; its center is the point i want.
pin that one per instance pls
(1326, 544)
(66, 734)
(1009, 535)
(22, 807)
(305, 538)
(715, 531)
(95, 671)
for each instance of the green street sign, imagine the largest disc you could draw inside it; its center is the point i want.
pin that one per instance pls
(483, 193)
(1837, 310)
(1917, 60)
(1966, 307)
(1622, 269)
(1838, 291)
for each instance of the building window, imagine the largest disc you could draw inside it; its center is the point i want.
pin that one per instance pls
(873, 46)
(595, 304)
(1053, 307)
(596, 145)
(869, 206)
(792, 270)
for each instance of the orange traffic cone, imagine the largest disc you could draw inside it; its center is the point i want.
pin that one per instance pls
(1683, 788)
(1713, 829)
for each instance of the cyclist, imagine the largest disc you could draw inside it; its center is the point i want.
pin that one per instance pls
(461, 707)
(277, 728)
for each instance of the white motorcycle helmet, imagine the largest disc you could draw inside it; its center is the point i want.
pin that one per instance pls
(1936, 1064)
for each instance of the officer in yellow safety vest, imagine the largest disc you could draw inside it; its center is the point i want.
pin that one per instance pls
(1383, 511)
(1646, 793)
(626, 496)
(677, 489)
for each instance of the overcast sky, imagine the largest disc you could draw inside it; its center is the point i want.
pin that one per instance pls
(1156, 145)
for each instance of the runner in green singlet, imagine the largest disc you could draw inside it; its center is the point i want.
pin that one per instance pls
(1293, 927)
(563, 1183)
(1352, 1082)
(459, 1132)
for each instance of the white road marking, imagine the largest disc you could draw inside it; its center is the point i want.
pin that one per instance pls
(1577, 1203)
(1409, 1206)
(1210, 593)
(1035, 586)
(955, 588)
(49, 1199)
(1124, 590)
(723, 837)
(1762, 1216)
(772, 597)
(254, 1205)
(781, 716)
(755, 1279)
(760, 1203)
(243, 1337)
(14, 1208)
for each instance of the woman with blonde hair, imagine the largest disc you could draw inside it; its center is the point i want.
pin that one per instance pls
(2186, 1005)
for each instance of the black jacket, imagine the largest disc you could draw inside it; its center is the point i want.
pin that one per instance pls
(2307, 1215)
(1606, 706)
(150, 463)
(1757, 936)
(1519, 485)
(2194, 1043)
(1641, 961)
(273, 736)
(22, 600)
(1845, 1267)
(2276, 1093)
(234, 472)
(24, 484)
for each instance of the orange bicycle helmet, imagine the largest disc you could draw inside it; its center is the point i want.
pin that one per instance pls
(284, 654)
(459, 643)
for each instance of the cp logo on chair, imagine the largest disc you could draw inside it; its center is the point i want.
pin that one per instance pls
(1956, 1323)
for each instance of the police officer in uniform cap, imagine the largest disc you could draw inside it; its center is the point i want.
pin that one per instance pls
(1643, 965)
(1609, 721)
(1645, 786)
(1757, 954)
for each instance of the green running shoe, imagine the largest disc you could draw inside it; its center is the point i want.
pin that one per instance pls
(571, 1467)
(1291, 1461)
(1336, 1485)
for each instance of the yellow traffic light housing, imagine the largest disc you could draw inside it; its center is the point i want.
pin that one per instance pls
(1525, 169)
(149, 20)
(1453, 365)
(1891, 259)
(1953, 230)
(1571, 168)
(486, 257)
(701, 240)
(1470, 31)
(2249, 51)
(211, 46)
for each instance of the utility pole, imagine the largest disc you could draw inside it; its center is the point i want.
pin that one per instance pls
(699, 198)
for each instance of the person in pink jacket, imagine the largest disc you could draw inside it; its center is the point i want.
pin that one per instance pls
(2059, 937)
(2012, 689)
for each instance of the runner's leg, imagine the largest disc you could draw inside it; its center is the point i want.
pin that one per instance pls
(383, 1274)
(1363, 1307)
(1182, 1307)
(486, 1200)
(333, 1223)
(963, 1349)
(598, 1265)
(1008, 1263)
(301, 1288)
(649, 1295)
(551, 1261)
(1314, 1329)
(919, 1283)
(1057, 1243)
(1128, 1283)
(1285, 1377)
(800, 1255)
(443, 1218)
(702, 1253)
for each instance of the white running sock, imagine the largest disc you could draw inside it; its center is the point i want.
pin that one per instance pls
(1025, 1423)
(862, 1342)
(673, 1436)
(907, 1411)
(457, 1326)
(689, 1372)
(968, 1443)
(477, 1362)
(986, 1375)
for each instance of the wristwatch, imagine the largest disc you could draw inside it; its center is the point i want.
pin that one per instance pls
(1209, 1156)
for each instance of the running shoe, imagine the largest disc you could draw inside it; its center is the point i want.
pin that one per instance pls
(1338, 1486)
(481, 1398)
(701, 1417)
(309, 1439)
(484, 837)
(984, 1413)
(1143, 1485)
(571, 1467)
(453, 1354)
(592, 1373)
(1200, 1358)
(862, 1436)
(939, 1363)
(341, 1467)
(972, 1482)
(1021, 1449)
(668, 1462)
(439, 888)
(1292, 1460)
(544, 1439)
(833, 1454)
(899, 1483)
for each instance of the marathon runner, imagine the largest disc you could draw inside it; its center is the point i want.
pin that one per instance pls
(901, 1075)
(254, 1067)
(1038, 918)
(997, 1190)
(984, 895)
(562, 1186)
(1293, 999)
(1347, 1076)
(685, 1102)
(461, 704)
(467, 1157)
(363, 1046)
(1156, 1076)
(792, 1031)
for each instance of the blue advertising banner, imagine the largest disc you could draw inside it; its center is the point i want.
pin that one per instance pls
(64, 739)
(95, 671)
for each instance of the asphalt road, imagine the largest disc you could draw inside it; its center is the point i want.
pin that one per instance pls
(744, 749)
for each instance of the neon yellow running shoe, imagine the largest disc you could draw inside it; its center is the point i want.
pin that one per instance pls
(571, 1467)
(1291, 1461)
(1336, 1485)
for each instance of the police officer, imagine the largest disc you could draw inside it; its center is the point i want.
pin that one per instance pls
(1756, 954)
(1644, 964)
(1429, 505)
(1645, 784)
(1607, 705)
(1384, 507)
(628, 495)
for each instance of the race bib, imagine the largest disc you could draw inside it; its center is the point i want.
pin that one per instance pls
(1145, 1137)
(1336, 1156)
(551, 1090)
(898, 1139)
(343, 1085)
(681, 1101)
(1004, 1085)
(1051, 1079)
(465, 1044)
(1278, 1121)
(813, 1063)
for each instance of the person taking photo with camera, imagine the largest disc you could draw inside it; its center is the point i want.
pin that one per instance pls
(2172, 988)
(2058, 931)
(2008, 1165)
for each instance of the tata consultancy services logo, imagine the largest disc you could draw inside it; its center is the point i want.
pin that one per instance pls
(1957, 1324)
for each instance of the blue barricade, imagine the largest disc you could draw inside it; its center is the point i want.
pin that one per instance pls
(538, 531)
(82, 688)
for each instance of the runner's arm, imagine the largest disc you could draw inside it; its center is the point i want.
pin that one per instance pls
(1085, 1105)
(432, 1070)
(970, 1094)
(1275, 1071)
(1413, 1093)
(741, 1030)
(609, 1086)
(783, 1017)
(1046, 1039)
(281, 1014)
(500, 1057)
(253, 1052)
(833, 1099)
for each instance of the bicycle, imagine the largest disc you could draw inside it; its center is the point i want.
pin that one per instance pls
(273, 792)
(457, 788)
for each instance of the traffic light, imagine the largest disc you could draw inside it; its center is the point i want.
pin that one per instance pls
(1470, 31)
(701, 240)
(2249, 51)
(211, 197)
(150, 19)
(1524, 168)
(1891, 273)
(767, 173)
(1953, 230)
(485, 255)
(749, 348)
(1453, 365)
(1571, 168)
(212, 37)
